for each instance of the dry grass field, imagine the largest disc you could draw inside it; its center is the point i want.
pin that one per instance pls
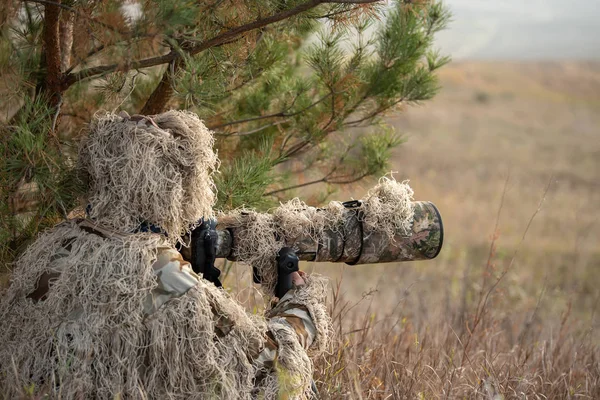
(510, 153)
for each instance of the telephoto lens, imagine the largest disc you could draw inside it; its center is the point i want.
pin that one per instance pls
(350, 239)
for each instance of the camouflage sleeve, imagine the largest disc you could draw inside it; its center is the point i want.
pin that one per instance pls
(174, 278)
(294, 316)
(298, 323)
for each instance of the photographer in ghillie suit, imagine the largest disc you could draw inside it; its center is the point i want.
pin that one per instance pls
(101, 308)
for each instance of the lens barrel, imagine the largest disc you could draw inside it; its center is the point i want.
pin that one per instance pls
(354, 243)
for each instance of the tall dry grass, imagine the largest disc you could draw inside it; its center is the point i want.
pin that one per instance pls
(462, 353)
(478, 343)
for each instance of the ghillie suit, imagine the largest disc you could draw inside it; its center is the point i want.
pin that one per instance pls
(99, 309)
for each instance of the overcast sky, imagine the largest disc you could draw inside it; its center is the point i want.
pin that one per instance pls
(523, 29)
(516, 29)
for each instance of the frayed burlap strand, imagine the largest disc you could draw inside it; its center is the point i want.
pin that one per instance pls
(388, 208)
(256, 244)
(260, 236)
(154, 169)
(297, 220)
(90, 339)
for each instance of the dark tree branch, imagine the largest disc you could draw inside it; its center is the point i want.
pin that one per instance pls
(272, 192)
(373, 114)
(92, 72)
(281, 114)
(333, 14)
(250, 132)
(52, 83)
(325, 179)
(161, 95)
(159, 98)
(327, 129)
(294, 150)
(90, 53)
(102, 47)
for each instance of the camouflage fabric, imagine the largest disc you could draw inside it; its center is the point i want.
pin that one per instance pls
(94, 311)
(296, 317)
(175, 278)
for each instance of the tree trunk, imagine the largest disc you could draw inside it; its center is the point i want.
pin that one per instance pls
(66, 39)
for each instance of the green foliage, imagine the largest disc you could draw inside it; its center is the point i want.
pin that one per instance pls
(242, 182)
(278, 95)
(38, 183)
(376, 150)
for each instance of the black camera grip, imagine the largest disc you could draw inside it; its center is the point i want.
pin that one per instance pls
(287, 263)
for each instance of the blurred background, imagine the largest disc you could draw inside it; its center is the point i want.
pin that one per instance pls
(509, 151)
(523, 30)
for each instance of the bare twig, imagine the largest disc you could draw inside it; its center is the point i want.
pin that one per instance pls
(56, 113)
(325, 179)
(281, 114)
(250, 132)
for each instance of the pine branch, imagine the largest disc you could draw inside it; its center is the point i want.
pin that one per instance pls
(333, 14)
(215, 41)
(257, 89)
(297, 148)
(293, 151)
(250, 132)
(159, 98)
(272, 192)
(324, 179)
(373, 114)
(92, 72)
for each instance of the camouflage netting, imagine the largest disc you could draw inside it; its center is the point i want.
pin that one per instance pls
(260, 236)
(90, 337)
(294, 379)
(313, 296)
(149, 169)
(388, 207)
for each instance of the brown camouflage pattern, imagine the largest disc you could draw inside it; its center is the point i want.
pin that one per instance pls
(423, 242)
(354, 244)
(297, 317)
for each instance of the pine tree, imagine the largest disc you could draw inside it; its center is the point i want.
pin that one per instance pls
(280, 82)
